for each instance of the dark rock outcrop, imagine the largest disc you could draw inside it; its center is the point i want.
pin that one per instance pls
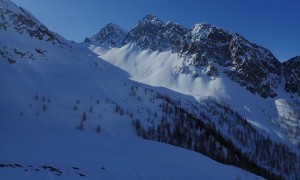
(291, 72)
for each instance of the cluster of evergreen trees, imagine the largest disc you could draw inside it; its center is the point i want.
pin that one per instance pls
(213, 129)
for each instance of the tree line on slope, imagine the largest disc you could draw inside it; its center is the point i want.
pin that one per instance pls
(213, 129)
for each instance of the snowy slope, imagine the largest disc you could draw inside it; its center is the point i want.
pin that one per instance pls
(48, 86)
(38, 123)
(168, 70)
(208, 61)
(33, 145)
(146, 59)
(76, 110)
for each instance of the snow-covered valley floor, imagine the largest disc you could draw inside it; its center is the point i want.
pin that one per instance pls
(78, 154)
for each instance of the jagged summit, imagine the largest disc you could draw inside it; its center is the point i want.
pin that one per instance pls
(114, 27)
(296, 58)
(145, 34)
(207, 46)
(199, 31)
(111, 35)
(150, 18)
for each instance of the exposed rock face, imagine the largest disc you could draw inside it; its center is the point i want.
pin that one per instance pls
(145, 33)
(291, 72)
(248, 64)
(112, 35)
(152, 33)
(254, 67)
(13, 17)
(209, 48)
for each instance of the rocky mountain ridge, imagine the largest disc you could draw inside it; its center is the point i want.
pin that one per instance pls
(250, 65)
(23, 22)
(291, 72)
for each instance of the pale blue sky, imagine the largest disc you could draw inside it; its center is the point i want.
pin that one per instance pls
(274, 24)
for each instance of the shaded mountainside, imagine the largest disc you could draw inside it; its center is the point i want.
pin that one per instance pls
(77, 98)
(111, 35)
(214, 52)
(212, 129)
(291, 71)
(17, 18)
(245, 63)
(152, 33)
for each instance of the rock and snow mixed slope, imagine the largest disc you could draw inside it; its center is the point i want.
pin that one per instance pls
(165, 70)
(207, 46)
(47, 86)
(208, 61)
(67, 113)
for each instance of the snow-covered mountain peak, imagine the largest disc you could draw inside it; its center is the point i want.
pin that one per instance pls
(150, 18)
(145, 33)
(296, 59)
(16, 19)
(111, 35)
(32, 36)
(156, 35)
(200, 30)
(7, 4)
(114, 27)
(203, 25)
(7, 9)
(208, 32)
(206, 45)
